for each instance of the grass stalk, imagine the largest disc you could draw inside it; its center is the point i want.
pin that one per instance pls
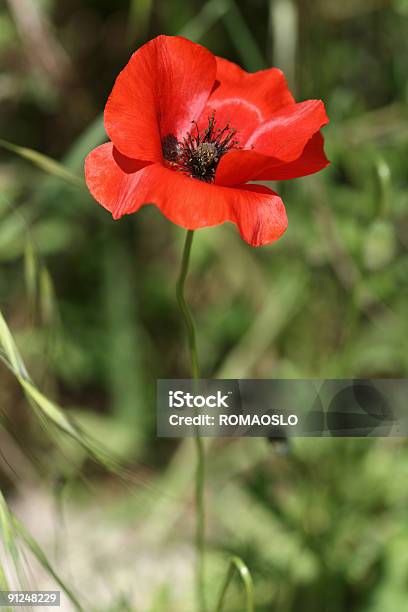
(237, 565)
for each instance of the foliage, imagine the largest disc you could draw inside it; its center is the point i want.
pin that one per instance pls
(90, 304)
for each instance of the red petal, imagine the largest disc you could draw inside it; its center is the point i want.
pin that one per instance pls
(111, 178)
(285, 135)
(240, 166)
(162, 89)
(259, 214)
(257, 211)
(237, 167)
(312, 160)
(246, 99)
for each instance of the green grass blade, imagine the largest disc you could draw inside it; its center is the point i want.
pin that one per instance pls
(45, 407)
(30, 273)
(237, 565)
(50, 409)
(48, 303)
(139, 16)
(3, 580)
(91, 137)
(243, 39)
(12, 530)
(211, 12)
(45, 163)
(283, 29)
(54, 414)
(4, 585)
(10, 541)
(36, 550)
(11, 351)
(382, 173)
(7, 531)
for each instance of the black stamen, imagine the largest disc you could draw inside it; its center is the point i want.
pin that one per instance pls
(199, 154)
(170, 148)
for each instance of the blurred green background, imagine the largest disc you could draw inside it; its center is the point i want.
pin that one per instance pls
(322, 524)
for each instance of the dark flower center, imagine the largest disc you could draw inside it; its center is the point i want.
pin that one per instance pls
(199, 153)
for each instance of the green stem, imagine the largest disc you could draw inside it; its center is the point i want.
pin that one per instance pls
(236, 564)
(200, 469)
(188, 319)
(200, 527)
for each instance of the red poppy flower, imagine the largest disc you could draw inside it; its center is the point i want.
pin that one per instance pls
(188, 131)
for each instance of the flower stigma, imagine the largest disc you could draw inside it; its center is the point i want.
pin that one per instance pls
(199, 153)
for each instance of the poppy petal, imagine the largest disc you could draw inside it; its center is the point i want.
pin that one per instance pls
(285, 135)
(112, 178)
(237, 167)
(240, 166)
(258, 212)
(161, 90)
(246, 99)
(312, 160)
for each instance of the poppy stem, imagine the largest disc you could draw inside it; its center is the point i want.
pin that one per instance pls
(185, 311)
(200, 468)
